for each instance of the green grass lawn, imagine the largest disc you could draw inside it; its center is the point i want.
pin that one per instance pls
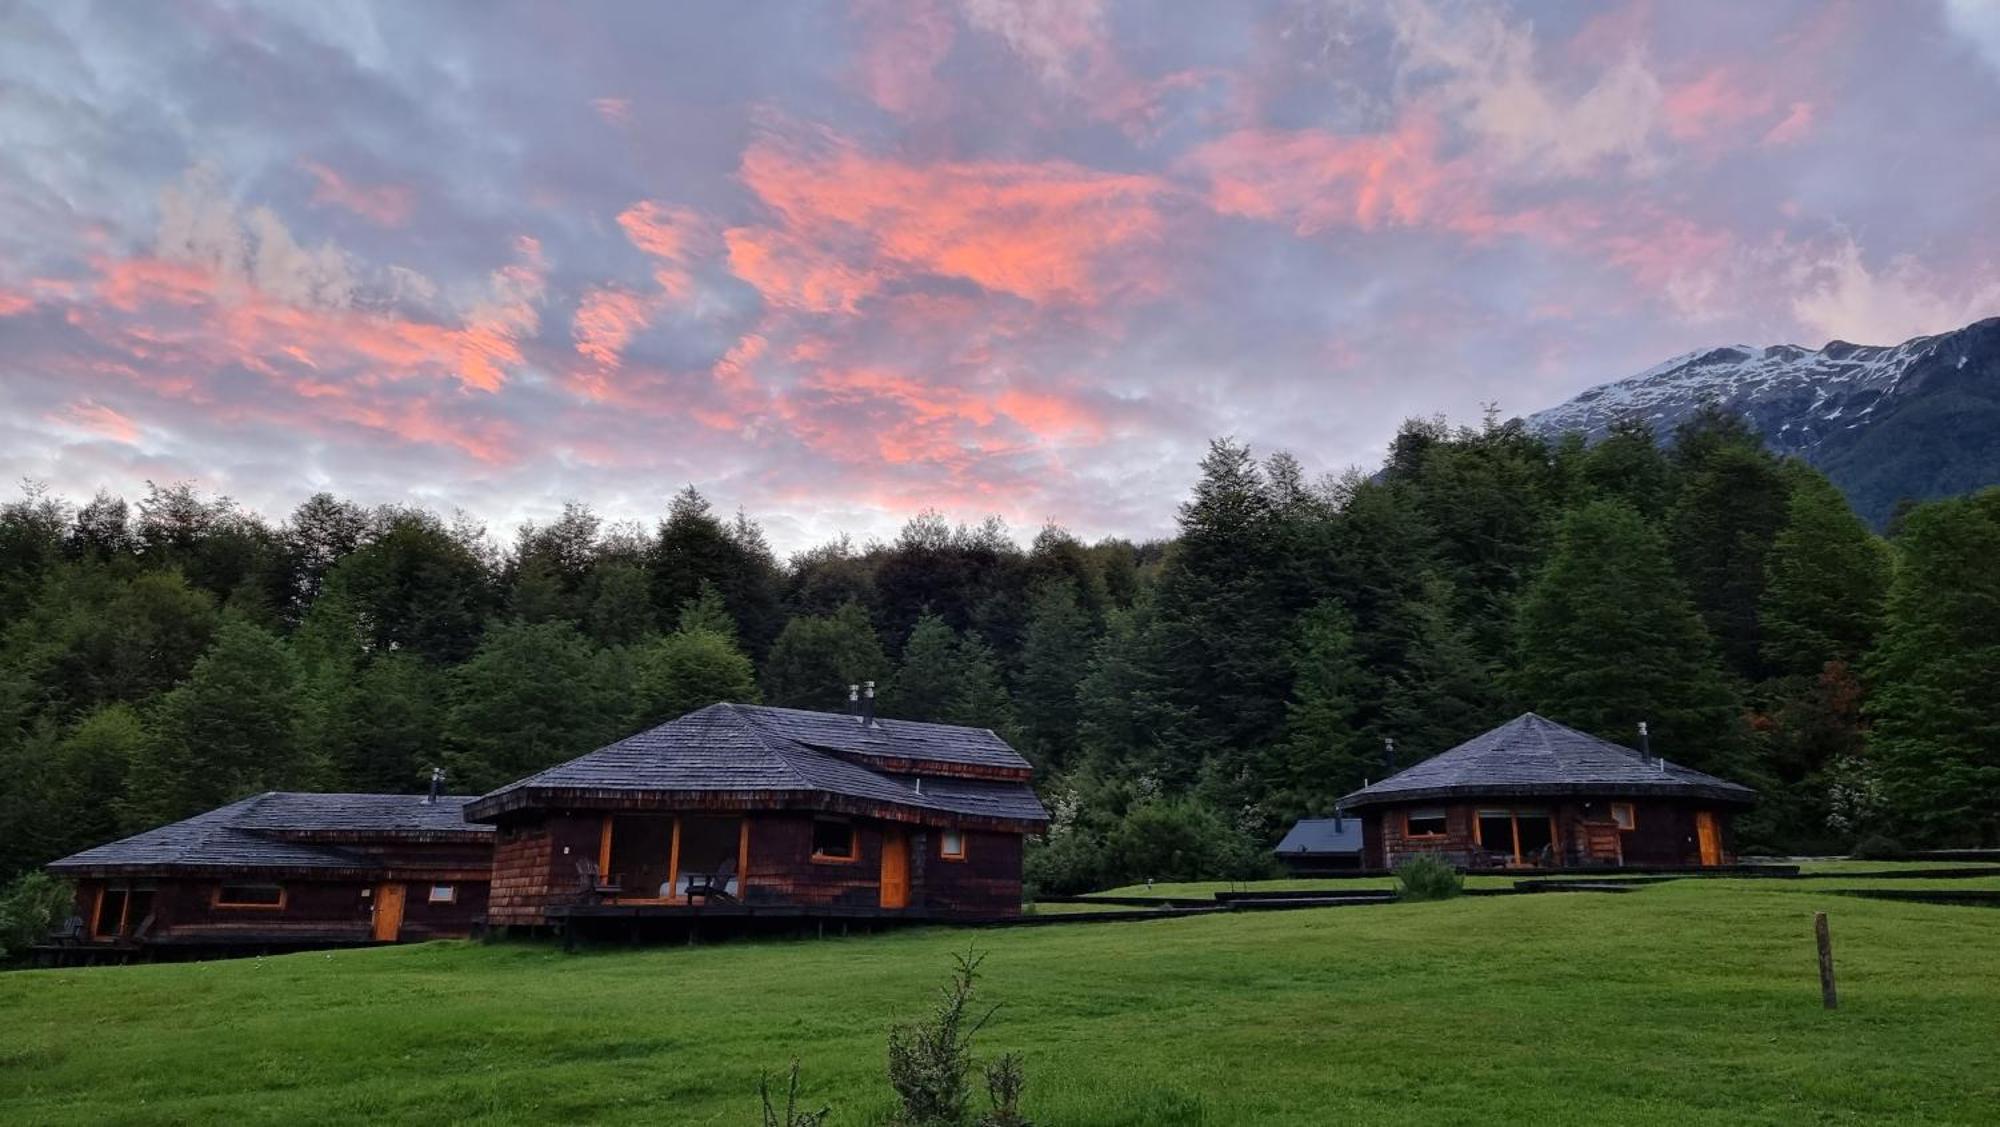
(1691, 1002)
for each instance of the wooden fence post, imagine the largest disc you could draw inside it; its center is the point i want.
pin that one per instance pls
(1825, 961)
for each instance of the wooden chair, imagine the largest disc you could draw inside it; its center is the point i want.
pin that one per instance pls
(712, 886)
(69, 933)
(591, 884)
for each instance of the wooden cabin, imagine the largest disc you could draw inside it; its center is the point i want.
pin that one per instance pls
(1535, 794)
(746, 810)
(282, 871)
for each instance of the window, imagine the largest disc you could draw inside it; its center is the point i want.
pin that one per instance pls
(250, 896)
(1424, 823)
(1621, 813)
(951, 845)
(832, 841)
(444, 894)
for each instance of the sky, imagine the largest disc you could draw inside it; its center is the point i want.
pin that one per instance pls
(836, 264)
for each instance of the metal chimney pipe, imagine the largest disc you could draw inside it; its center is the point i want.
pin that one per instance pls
(867, 702)
(1645, 742)
(1388, 756)
(854, 700)
(437, 787)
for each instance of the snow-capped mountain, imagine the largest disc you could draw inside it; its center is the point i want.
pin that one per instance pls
(1919, 419)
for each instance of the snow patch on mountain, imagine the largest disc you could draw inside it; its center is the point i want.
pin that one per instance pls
(1797, 397)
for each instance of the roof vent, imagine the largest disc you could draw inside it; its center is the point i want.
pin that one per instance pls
(867, 702)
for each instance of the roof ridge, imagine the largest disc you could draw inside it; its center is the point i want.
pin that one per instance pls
(763, 737)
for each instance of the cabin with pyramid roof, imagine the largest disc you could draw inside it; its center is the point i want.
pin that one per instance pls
(768, 813)
(1533, 793)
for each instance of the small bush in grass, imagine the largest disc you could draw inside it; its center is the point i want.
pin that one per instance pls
(1878, 847)
(930, 1061)
(1427, 877)
(791, 1116)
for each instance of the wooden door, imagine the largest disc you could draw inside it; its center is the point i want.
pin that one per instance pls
(388, 912)
(895, 869)
(1710, 835)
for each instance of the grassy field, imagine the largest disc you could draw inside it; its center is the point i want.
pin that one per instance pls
(1691, 1002)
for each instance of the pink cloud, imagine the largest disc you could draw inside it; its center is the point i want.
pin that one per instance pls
(617, 111)
(94, 417)
(13, 304)
(847, 223)
(1796, 125)
(902, 45)
(385, 205)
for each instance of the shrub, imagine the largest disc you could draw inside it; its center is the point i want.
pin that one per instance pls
(1878, 847)
(29, 907)
(930, 1059)
(791, 1116)
(1427, 877)
(1004, 1081)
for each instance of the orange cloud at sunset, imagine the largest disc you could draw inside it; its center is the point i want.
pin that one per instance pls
(1315, 180)
(847, 223)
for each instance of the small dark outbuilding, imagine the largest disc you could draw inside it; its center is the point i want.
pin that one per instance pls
(1315, 846)
(284, 871)
(1534, 793)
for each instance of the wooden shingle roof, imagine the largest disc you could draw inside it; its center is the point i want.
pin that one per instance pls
(782, 756)
(1532, 755)
(282, 830)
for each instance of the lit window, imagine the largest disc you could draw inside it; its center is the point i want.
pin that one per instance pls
(951, 844)
(1621, 813)
(444, 894)
(833, 841)
(250, 896)
(1424, 823)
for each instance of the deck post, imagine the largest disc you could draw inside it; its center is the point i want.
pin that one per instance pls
(1826, 991)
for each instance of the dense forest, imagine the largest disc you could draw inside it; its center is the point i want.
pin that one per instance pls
(1184, 700)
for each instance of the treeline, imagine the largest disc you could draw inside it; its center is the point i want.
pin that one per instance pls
(1185, 701)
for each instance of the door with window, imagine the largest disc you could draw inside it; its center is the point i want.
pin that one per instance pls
(388, 912)
(895, 869)
(1710, 836)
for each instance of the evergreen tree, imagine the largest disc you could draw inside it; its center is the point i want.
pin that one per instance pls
(928, 682)
(1323, 755)
(418, 585)
(815, 659)
(1608, 639)
(694, 546)
(981, 699)
(1054, 656)
(233, 729)
(1442, 692)
(1936, 737)
(1130, 723)
(1829, 577)
(1730, 508)
(1217, 611)
(394, 720)
(619, 607)
(1628, 465)
(694, 667)
(531, 696)
(706, 613)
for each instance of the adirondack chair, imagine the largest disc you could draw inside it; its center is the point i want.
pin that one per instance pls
(591, 884)
(712, 886)
(69, 933)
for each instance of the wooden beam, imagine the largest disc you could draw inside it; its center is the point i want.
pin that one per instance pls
(674, 862)
(604, 851)
(743, 858)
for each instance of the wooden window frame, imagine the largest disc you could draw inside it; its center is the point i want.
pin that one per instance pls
(1513, 814)
(215, 899)
(853, 844)
(1631, 819)
(1443, 815)
(450, 893)
(944, 849)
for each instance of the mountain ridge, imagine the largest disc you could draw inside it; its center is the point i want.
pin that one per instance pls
(1915, 420)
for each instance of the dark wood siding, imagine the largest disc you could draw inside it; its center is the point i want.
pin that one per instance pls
(987, 882)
